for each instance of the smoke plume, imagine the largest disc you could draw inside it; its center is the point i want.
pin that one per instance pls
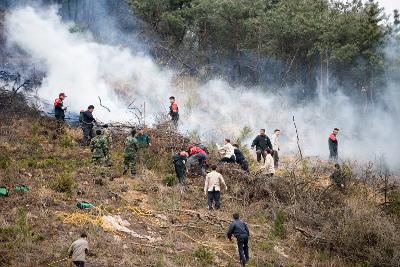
(84, 69)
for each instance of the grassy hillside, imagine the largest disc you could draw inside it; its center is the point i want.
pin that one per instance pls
(296, 218)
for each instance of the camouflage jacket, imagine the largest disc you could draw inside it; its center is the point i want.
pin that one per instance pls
(131, 146)
(98, 145)
(107, 136)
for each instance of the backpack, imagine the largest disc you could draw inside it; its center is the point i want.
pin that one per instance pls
(3, 191)
(21, 188)
(84, 205)
(81, 113)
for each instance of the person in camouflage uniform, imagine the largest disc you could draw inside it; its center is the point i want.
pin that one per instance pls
(107, 135)
(130, 153)
(98, 146)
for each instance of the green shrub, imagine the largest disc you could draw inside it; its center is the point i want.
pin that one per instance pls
(49, 162)
(5, 161)
(279, 225)
(35, 128)
(204, 255)
(394, 203)
(169, 180)
(64, 183)
(66, 141)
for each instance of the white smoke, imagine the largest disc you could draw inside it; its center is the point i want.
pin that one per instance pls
(85, 69)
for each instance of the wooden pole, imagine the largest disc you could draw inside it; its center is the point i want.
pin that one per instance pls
(298, 140)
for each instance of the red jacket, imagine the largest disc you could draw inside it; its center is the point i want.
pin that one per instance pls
(332, 137)
(195, 150)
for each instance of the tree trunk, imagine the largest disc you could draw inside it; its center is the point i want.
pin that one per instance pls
(236, 42)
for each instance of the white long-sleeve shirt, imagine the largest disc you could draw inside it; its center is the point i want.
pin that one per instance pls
(275, 142)
(268, 167)
(228, 150)
(213, 181)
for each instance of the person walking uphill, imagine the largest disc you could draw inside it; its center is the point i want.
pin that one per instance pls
(333, 145)
(212, 187)
(268, 168)
(261, 142)
(98, 146)
(240, 230)
(59, 111)
(78, 251)
(180, 160)
(130, 153)
(87, 121)
(174, 111)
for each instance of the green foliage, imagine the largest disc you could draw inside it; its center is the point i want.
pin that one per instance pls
(64, 183)
(279, 225)
(204, 255)
(35, 128)
(308, 33)
(394, 203)
(169, 180)
(66, 141)
(5, 161)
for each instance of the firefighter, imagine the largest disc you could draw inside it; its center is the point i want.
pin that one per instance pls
(59, 111)
(87, 123)
(180, 160)
(173, 111)
(333, 145)
(197, 155)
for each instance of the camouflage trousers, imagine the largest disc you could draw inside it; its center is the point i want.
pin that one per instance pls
(98, 160)
(130, 162)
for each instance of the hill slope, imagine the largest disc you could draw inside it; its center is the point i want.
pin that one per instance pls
(296, 218)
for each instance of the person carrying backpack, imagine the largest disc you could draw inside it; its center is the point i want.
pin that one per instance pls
(179, 161)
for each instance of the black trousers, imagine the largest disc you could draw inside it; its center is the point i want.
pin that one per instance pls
(60, 123)
(333, 155)
(228, 160)
(214, 196)
(243, 249)
(243, 164)
(87, 133)
(260, 153)
(275, 155)
(79, 263)
(181, 174)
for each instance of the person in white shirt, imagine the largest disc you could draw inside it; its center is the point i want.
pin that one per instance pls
(78, 250)
(228, 151)
(268, 167)
(275, 145)
(212, 187)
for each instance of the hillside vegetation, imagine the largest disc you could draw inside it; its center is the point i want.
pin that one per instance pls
(297, 218)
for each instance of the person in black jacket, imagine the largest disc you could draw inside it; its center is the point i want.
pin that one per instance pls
(240, 159)
(261, 142)
(180, 166)
(87, 125)
(239, 230)
(59, 111)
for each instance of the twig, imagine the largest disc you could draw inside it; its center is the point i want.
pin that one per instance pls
(298, 140)
(103, 106)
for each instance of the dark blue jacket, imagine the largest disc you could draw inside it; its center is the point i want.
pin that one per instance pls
(239, 156)
(261, 142)
(238, 229)
(88, 117)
